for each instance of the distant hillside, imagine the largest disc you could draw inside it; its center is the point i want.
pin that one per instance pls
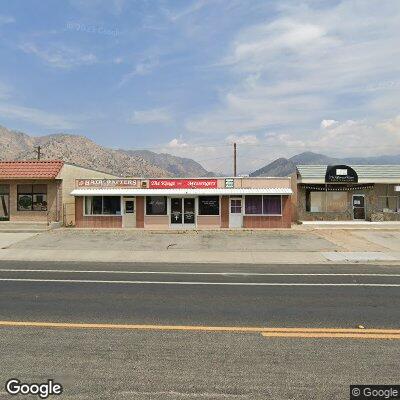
(286, 166)
(176, 166)
(83, 151)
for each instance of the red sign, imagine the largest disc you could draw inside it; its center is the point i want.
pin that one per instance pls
(182, 183)
(106, 183)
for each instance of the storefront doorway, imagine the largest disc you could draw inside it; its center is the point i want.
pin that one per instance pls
(4, 202)
(129, 214)
(358, 206)
(183, 212)
(235, 212)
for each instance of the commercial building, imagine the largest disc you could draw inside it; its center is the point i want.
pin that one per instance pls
(199, 203)
(40, 191)
(344, 192)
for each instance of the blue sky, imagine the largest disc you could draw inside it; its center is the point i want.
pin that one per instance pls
(190, 77)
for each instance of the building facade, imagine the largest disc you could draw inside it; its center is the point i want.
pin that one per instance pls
(187, 203)
(343, 192)
(40, 191)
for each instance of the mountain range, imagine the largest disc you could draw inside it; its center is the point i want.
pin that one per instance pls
(286, 166)
(82, 151)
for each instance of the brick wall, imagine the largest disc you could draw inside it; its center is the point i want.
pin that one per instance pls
(224, 211)
(139, 212)
(94, 221)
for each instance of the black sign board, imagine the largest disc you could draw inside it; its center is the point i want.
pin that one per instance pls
(341, 174)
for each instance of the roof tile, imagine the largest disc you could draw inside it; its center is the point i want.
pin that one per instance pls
(43, 169)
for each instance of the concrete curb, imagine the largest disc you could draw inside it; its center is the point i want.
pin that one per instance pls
(189, 257)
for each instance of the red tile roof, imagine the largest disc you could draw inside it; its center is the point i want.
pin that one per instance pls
(46, 169)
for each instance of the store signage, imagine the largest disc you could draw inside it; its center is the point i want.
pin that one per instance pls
(107, 183)
(341, 174)
(229, 183)
(397, 188)
(183, 183)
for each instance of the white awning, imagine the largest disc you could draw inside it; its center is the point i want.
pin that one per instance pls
(180, 192)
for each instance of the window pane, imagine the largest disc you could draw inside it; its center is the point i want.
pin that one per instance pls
(156, 205)
(4, 189)
(272, 205)
(24, 202)
(209, 205)
(253, 204)
(112, 205)
(317, 200)
(88, 205)
(336, 201)
(39, 188)
(39, 202)
(24, 189)
(97, 205)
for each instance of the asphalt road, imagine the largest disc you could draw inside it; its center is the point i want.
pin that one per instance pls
(155, 364)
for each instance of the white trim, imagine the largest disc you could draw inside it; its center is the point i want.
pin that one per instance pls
(100, 215)
(180, 192)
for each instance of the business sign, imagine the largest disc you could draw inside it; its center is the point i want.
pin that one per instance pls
(397, 188)
(183, 183)
(107, 183)
(229, 183)
(340, 174)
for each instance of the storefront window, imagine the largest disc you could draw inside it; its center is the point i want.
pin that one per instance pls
(209, 205)
(389, 203)
(102, 205)
(326, 201)
(336, 201)
(156, 205)
(263, 205)
(32, 197)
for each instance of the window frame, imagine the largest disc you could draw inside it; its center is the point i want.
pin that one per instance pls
(31, 194)
(325, 210)
(262, 206)
(102, 207)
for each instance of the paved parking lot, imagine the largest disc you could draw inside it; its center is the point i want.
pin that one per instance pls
(204, 241)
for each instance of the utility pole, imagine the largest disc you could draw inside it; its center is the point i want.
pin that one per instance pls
(234, 159)
(38, 152)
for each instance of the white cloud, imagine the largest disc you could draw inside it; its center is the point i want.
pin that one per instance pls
(36, 116)
(177, 144)
(307, 62)
(6, 19)
(143, 67)
(60, 56)
(151, 116)
(328, 123)
(243, 139)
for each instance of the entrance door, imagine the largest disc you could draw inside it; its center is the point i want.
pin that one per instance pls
(235, 213)
(4, 202)
(358, 206)
(183, 212)
(129, 215)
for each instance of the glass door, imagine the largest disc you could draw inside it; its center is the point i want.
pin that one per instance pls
(176, 211)
(188, 211)
(358, 206)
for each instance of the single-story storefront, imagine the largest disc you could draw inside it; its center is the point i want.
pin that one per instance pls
(39, 191)
(343, 192)
(198, 203)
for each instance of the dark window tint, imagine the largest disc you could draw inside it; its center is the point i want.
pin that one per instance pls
(272, 205)
(208, 205)
(112, 205)
(253, 204)
(156, 205)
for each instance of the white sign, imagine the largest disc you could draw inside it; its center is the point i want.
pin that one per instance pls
(397, 188)
(229, 183)
(341, 172)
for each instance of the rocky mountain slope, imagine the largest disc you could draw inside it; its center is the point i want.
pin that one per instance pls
(286, 166)
(82, 151)
(177, 166)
